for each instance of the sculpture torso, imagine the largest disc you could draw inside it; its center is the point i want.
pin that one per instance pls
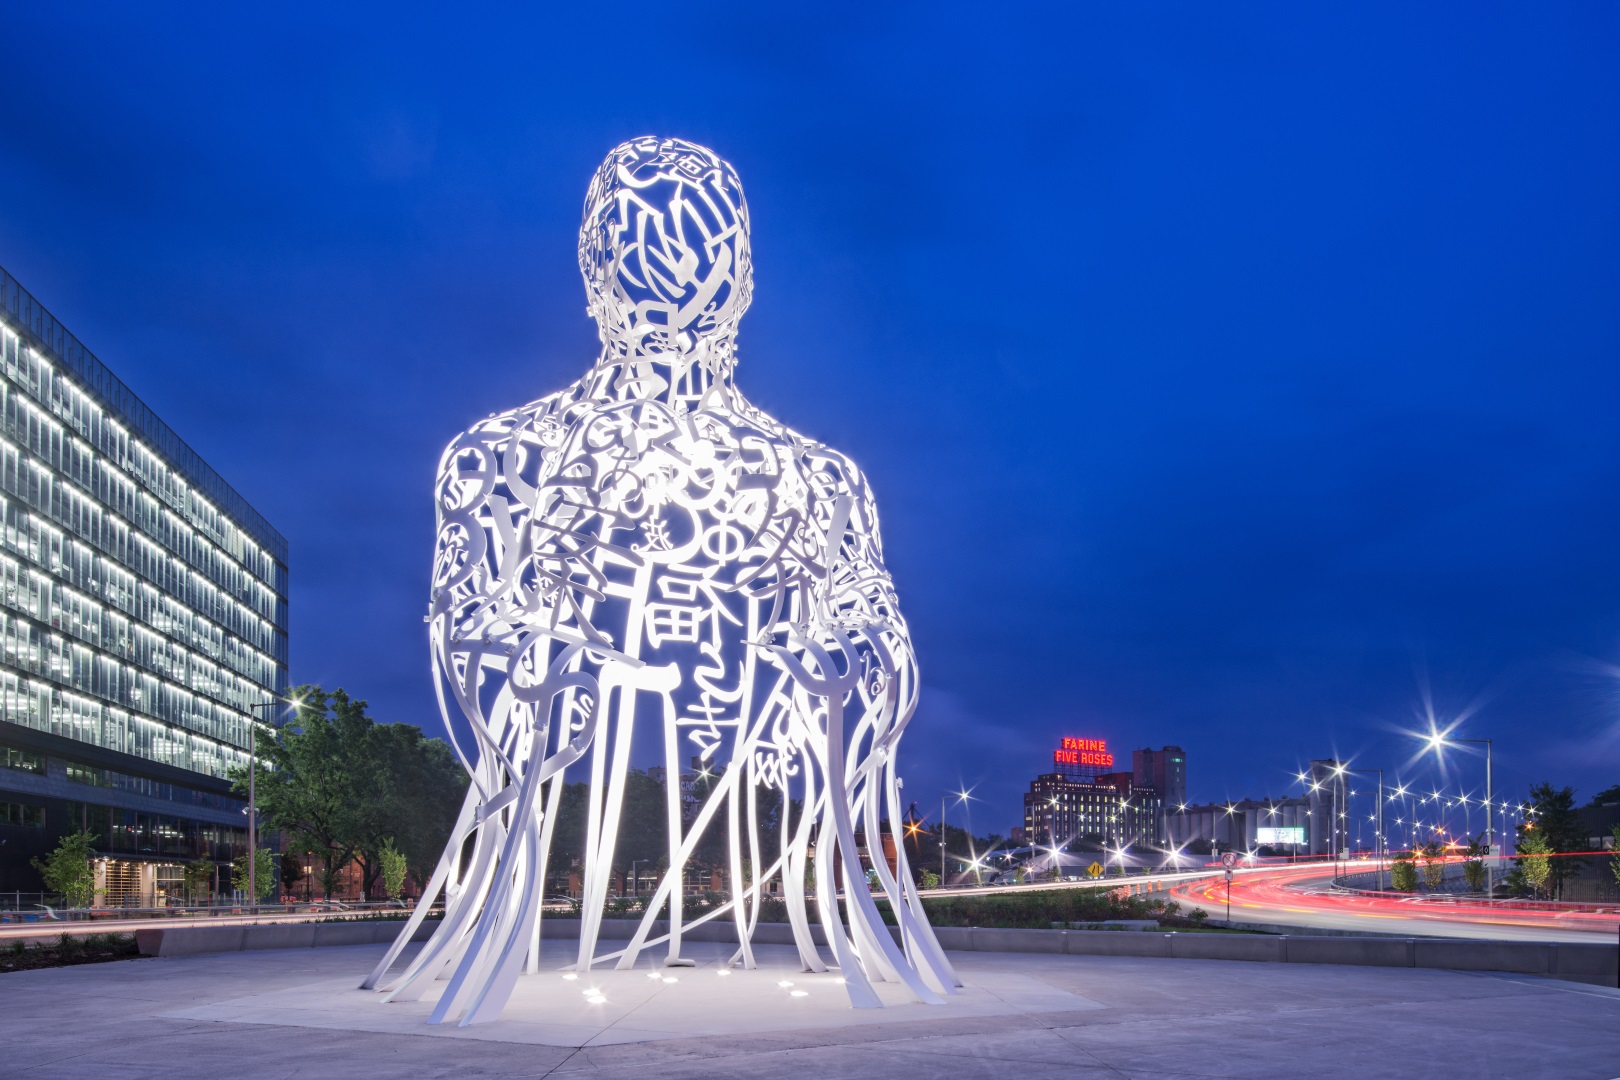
(685, 533)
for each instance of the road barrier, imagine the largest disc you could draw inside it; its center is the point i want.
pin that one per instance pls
(1575, 962)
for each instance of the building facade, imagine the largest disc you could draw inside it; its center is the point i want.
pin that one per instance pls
(1282, 826)
(1109, 810)
(1164, 771)
(143, 610)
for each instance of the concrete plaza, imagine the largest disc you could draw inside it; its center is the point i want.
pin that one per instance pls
(294, 1013)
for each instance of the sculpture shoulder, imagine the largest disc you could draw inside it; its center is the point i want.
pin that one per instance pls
(493, 434)
(503, 454)
(832, 471)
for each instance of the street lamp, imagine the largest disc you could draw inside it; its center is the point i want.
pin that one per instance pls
(253, 794)
(1438, 741)
(1334, 783)
(1378, 826)
(961, 797)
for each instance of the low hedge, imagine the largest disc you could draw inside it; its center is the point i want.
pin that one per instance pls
(1039, 910)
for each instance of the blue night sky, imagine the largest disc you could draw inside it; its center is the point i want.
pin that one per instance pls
(1239, 377)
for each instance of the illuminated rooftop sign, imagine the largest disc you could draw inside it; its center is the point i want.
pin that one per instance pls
(1083, 752)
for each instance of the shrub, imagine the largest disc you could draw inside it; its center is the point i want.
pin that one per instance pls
(1403, 874)
(1434, 864)
(1036, 910)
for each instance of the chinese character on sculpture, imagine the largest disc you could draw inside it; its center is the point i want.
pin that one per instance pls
(648, 544)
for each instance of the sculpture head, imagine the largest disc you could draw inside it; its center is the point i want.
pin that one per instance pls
(664, 251)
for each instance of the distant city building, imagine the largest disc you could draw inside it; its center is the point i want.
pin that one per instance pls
(1106, 811)
(1163, 771)
(1086, 802)
(143, 610)
(1296, 824)
(1244, 825)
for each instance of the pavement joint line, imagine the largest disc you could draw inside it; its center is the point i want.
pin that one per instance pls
(1539, 982)
(662, 988)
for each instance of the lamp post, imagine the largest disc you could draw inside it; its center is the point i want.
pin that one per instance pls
(1378, 825)
(961, 797)
(253, 797)
(1335, 780)
(1439, 740)
(1051, 829)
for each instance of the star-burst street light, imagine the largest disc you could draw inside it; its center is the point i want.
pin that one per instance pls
(1437, 741)
(961, 797)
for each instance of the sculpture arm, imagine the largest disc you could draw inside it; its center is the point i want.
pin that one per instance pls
(860, 600)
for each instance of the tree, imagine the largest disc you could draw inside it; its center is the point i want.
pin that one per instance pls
(1474, 867)
(928, 879)
(644, 824)
(1534, 865)
(264, 873)
(414, 787)
(69, 871)
(1434, 864)
(567, 835)
(340, 784)
(1607, 797)
(292, 872)
(199, 879)
(393, 867)
(1553, 812)
(307, 779)
(439, 786)
(1403, 873)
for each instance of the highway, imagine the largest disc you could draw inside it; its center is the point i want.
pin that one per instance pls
(1303, 896)
(1294, 896)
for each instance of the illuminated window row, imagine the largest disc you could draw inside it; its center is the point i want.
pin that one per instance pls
(26, 649)
(103, 566)
(40, 706)
(75, 610)
(36, 481)
(79, 410)
(121, 641)
(33, 424)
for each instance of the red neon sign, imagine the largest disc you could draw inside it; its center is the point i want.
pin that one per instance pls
(1083, 752)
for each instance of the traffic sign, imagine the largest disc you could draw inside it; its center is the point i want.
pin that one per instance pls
(1095, 869)
(1229, 859)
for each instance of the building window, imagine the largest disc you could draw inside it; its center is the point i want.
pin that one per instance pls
(11, 758)
(84, 774)
(28, 817)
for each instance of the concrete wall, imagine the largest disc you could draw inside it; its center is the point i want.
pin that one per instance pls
(192, 940)
(1598, 964)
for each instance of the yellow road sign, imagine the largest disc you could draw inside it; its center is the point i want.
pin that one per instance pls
(1095, 869)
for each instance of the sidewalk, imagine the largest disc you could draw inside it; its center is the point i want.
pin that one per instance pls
(290, 1012)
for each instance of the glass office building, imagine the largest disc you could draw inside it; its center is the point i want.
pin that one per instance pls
(143, 609)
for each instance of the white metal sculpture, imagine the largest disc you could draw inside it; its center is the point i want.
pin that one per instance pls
(647, 543)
